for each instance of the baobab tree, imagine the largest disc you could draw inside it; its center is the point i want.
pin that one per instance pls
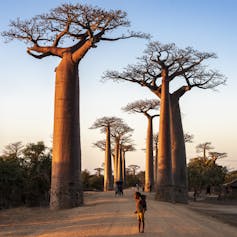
(217, 155)
(82, 27)
(145, 107)
(161, 64)
(105, 124)
(118, 132)
(98, 171)
(155, 145)
(13, 150)
(101, 144)
(125, 146)
(134, 168)
(188, 138)
(204, 147)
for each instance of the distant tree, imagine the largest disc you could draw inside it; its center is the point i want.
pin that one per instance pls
(203, 148)
(68, 32)
(105, 124)
(13, 150)
(217, 155)
(85, 175)
(96, 182)
(230, 176)
(37, 160)
(33, 153)
(12, 181)
(25, 175)
(118, 132)
(205, 172)
(155, 144)
(134, 168)
(99, 170)
(125, 146)
(146, 107)
(188, 138)
(101, 144)
(160, 65)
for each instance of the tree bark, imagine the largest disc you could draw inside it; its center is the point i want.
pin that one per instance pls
(108, 184)
(116, 159)
(149, 173)
(164, 190)
(120, 166)
(124, 167)
(179, 169)
(66, 188)
(156, 164)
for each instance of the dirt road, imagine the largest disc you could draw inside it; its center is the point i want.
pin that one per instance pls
(105, 215)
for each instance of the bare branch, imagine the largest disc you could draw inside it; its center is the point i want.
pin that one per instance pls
(105, 122)
(77, 23)
(38, 56)
(142, 106)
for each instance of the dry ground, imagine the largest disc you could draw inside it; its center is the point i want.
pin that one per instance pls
(104, 215)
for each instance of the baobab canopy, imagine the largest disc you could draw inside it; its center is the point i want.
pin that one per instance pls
(69, 24)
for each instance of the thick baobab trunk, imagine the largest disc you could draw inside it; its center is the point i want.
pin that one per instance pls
(108, 184)
(149, 173)
(124, 167)
(66, 189)
(156, 163)
(116, 159)
(120, 166)
(164, 190)
(179, 170)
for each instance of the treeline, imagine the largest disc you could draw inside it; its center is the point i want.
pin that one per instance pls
(95, 182)
(204, 173)
(25, 175)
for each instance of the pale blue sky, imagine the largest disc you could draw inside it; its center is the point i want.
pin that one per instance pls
(27, 84)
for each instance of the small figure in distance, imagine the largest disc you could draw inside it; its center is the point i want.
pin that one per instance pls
(137, 187)
(141, 207)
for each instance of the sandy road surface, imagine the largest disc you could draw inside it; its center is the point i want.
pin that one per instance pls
(105, 215)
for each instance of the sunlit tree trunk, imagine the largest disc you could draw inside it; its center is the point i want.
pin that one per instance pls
(108, 184)
(120, 166)
(124, 167)
(179, 171)
(149, 175)
(66, 189)
(156, 163)
(116, 159)
(113, 168)
(164, 188)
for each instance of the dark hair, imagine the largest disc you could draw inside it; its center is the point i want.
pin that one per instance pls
(137, 194)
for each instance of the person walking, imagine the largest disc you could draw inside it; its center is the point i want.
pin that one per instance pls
(140, 210)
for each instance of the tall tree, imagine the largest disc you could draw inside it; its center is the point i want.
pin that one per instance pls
(83, 27)
(161, 64)
(105, 124)
(203, 173)
(134, 168)
(101, 144)
(118, 132)
(13, 150)
(203, 148)
(125, 146)
(155, 142)
(145, 107)
(217, 155)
